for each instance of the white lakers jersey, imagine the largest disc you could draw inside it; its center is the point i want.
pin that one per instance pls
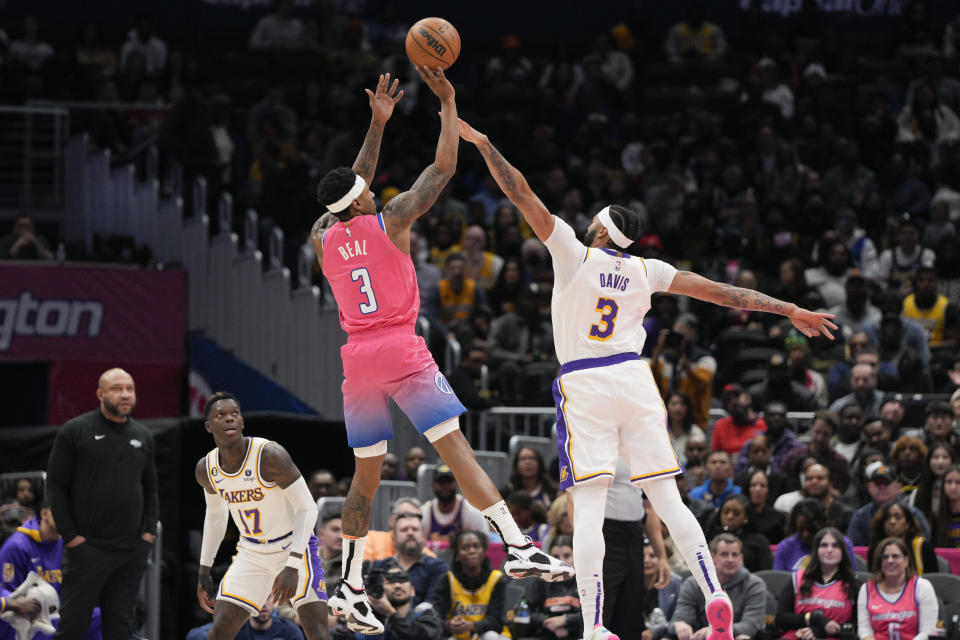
(600, 297)
(258, 507)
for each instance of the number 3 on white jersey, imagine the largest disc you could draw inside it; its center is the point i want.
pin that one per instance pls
(366, 288)
(608, 309)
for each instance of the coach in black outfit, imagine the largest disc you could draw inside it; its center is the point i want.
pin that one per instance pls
(102, 485)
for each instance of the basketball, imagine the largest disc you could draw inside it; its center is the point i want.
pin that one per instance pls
(433, 42)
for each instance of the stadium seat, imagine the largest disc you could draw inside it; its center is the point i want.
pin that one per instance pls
(860, 563)
(545, 446)
(425, 482)
(728, 344)
(942, 565)
(497, 466)
(864, 576)
(753, 358)
(732, 341)
(751, 377)
(947, 587)
(389, 491)
(774, 579)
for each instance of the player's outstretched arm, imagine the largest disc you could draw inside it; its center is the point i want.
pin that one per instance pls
(402, 210)
(809, 323)
(512, 182)
(276, 466)
(381, 107)
(214, 527)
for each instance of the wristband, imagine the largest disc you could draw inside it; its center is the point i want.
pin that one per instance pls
(293, 562)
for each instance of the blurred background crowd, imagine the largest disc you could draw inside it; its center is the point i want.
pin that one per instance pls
(819, 166)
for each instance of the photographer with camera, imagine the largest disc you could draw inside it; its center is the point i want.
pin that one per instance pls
(680, 364)
(391, 596)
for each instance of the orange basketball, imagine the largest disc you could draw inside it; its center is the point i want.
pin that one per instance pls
(433, 42)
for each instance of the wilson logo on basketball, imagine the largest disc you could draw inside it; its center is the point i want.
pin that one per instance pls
(433, 43)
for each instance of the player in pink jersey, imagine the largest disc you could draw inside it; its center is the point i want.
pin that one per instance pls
(365, 256)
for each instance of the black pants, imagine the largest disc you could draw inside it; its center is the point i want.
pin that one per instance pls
(110, 578)
(623, 578)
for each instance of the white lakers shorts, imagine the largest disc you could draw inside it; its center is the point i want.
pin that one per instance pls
(249, 580)
(607, 408)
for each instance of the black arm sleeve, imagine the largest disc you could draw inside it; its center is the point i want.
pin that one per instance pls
(426, 626)
(496, 616)
(929, 557)
(441, 597)
(786, 618)
(151, 498)
(854, 594)
(59, 475)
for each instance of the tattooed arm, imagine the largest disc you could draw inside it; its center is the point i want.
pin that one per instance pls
(381, 108)
(405, 208)
(325, 221)
(512, 182)
(808, 322)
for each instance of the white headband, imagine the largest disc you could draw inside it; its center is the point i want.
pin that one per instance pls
(616, 235)
(358, 186)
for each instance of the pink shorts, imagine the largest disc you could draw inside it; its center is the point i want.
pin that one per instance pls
(392, 363)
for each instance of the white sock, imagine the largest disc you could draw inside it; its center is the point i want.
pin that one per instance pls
(685, 530)
(502, 522)
(589, 504)
(353, 561)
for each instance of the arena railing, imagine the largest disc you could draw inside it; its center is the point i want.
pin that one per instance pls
(150, 586)
(32, 172)
(243, 298)
(491, 429)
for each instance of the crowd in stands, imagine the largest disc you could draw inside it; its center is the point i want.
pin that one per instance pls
(822, 169)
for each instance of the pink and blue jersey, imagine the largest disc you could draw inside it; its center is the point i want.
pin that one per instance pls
(899, 620)
(375, 286)
(374, 283)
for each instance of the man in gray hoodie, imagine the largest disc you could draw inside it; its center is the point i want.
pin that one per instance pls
(746, 591)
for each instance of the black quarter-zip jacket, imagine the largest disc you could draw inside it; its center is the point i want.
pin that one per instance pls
(102, 481)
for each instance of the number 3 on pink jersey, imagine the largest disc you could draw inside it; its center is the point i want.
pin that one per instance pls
(608, 316)
(366, 288)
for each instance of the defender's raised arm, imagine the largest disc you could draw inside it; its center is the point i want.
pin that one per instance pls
(512, 182)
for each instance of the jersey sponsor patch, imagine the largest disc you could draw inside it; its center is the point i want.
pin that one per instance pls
(442, 384)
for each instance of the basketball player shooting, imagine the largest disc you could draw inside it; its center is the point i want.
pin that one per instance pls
(365, 256)
(608, 404)
(255, 481)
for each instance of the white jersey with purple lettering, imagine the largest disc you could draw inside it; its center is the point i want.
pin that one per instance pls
(265, 520)
(258, 508)
(607, 400)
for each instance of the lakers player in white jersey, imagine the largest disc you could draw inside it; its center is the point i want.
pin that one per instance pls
(608, 404)
(254, 481)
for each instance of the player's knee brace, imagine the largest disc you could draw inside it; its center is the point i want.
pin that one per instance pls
(443, 429)
(372, 451)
